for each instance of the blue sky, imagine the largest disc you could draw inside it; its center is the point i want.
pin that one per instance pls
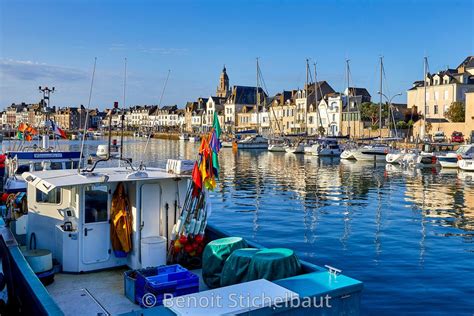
(54, 43)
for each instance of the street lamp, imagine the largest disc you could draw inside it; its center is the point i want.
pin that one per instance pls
(389, 101)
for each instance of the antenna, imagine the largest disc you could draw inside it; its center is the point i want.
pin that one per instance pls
(122, 116)
(87, 116)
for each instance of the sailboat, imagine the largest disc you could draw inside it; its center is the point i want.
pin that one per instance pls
(256, 141)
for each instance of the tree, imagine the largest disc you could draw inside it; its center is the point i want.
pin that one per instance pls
(456, 112)
(321, 130)
(370, 112)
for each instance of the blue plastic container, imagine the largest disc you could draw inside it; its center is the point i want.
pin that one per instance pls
(171, 284)
(165, 279)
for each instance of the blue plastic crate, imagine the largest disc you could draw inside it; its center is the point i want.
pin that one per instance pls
(176, 285)
(161, 274)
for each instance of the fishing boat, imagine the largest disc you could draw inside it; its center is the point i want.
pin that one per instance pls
(91, 277)
(375, 152)
(183, 137)
(112, 230)
(450, 160)
(326, 147)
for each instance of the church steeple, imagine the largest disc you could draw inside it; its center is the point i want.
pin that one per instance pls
(223, 88)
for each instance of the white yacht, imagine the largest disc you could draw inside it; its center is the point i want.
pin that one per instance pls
(277, 145)
(183, 136)
(194, 139)
(376, 152)
(253, 142)
(326, 149)
(295, 149)
(450, 160)
(466, 164)
(396, 156)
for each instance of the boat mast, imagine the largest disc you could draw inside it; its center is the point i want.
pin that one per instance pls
(381, 93)
(306, 98)
(348, 98)
(257, 102)
(423, 127)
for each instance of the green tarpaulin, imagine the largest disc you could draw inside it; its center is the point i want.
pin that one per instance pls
(273, 264)
(214, 257)
(236, 266)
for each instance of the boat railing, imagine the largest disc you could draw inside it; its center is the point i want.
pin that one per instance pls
(26, 294)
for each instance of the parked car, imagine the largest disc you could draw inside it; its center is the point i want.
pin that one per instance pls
(439, 137)
(457, 137)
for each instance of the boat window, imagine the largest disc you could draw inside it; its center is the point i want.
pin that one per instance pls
(38, 166)
(52, 197)
(71, 164)
(22, 168)
(56, 165)
(96, 203)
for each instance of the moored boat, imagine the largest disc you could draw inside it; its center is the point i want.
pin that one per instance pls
(295, 149)
(395, 156)
(183, 136)
(450, 160)
(326, 148)
(376, 152)
(466, 164)
(253, 142)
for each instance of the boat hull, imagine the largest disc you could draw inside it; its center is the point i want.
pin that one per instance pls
(276, 148)
(252, 145)
(348, 154)
(394, 158)
(448, 162)
(466, 164)
(370, 156)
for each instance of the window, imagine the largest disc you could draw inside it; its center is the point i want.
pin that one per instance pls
(53, 196)
(334, 117)
(310, 120)
(96, 203)
(446, 94)
(436, 95)
(427, 109)
(445, 108)
(435, 111)
(56, 165)
(427, 95)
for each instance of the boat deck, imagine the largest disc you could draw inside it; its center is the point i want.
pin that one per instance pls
(95, 293)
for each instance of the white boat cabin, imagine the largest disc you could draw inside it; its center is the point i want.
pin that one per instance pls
(70, 213)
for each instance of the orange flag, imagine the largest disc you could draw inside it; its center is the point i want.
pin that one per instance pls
(22, 127)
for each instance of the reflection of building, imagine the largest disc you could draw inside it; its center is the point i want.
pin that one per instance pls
(451, 204)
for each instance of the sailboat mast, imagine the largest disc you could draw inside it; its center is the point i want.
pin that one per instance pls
(306, 98)
(348, 98)
(381, 93)
(424, 98)
(257, 102)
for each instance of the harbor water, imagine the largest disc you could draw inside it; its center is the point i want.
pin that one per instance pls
(408, 235)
